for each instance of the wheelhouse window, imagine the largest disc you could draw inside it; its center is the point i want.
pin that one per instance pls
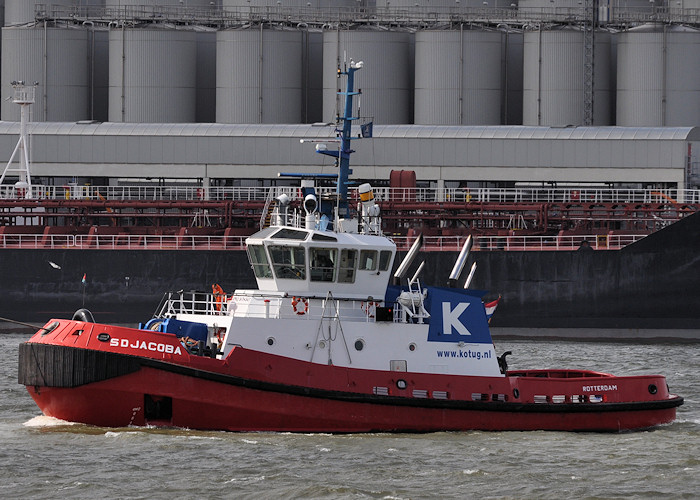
(368, 260)
(384, 260)
(290, 234)
(258, 259)
(322, 262)
(346, 267)
(288, 262)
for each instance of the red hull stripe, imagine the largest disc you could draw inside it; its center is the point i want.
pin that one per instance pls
(34, 370)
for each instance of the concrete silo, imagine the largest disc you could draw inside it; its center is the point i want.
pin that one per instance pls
(259, 76)
(458, 77)
(152, 75)
(553, 77)
(56, 58)
(658, 76)
(387, 80)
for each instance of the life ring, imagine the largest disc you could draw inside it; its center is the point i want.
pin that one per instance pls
(218, 296)
(369, 308)
(300, 311)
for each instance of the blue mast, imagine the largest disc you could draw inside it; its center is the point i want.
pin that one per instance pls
(343, 154)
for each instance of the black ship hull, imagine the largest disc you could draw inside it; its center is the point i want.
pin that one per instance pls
(650, 286)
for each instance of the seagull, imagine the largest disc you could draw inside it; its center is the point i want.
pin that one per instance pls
(54, 265)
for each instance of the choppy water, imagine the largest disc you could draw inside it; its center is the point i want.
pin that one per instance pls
(42, 458)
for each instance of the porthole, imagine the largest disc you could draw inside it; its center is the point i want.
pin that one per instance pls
(104, 337)
(516, 393)
(359, 344)
(270, 341)
(401, 384)
(412, 346)
(652, 389)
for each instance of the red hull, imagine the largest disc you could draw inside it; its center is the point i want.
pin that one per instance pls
(215, 407)
(251, 391)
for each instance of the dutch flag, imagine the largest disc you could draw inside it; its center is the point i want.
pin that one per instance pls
(84, 276)
(491, 308)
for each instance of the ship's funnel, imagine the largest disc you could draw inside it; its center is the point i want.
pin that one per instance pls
(406, 262)
(459, 263)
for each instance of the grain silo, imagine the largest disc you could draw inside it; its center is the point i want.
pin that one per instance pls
(553, 77)
(259, 75)
(386, 82)
(152, 75)
(658, 76)
(458, 77)
(57, 59)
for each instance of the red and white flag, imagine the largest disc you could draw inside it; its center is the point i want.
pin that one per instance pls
(491, 308)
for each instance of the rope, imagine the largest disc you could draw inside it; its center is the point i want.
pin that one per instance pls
(8, 320)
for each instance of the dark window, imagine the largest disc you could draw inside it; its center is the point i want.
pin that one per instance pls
(288, 262)
(290, 234)
(258, 259)
(384, 260)
(323, 263)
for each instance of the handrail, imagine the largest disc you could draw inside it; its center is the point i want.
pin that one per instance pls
(185, 242)
(498, 11)
(261, 194)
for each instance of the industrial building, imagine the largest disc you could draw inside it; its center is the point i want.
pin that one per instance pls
(488, 93)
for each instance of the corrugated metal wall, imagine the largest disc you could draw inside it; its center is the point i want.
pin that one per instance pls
(206, 76)
(537, 154)
(458, 77)
(387, 77)
(174, 74)
(57, 59)
(259, 76)
(553, 73)
(658, 79)
(152, 75)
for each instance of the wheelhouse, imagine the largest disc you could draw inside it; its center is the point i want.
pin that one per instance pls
(311, 262)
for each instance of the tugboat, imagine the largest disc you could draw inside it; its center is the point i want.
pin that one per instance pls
(331, 341)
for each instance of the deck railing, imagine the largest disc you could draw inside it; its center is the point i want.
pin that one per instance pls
(431, 243)
(493, 11)
(402, 195)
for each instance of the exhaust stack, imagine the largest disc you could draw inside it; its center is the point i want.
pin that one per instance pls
(459, 263)
(406, 262)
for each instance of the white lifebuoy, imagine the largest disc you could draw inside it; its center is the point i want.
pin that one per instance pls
(300, 311)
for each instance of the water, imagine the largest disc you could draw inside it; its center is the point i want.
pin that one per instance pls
(44, 458)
